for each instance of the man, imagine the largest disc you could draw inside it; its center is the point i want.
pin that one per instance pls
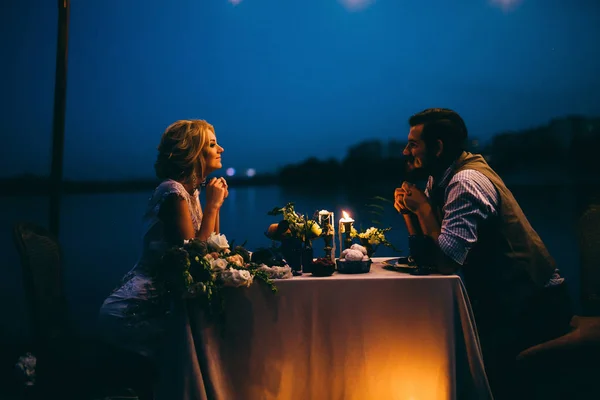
(475, 227)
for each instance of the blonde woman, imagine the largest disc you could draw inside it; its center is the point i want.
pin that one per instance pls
(133, 317)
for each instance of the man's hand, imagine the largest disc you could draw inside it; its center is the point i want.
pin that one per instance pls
(399, 194)
(412, 197)
(409, 198)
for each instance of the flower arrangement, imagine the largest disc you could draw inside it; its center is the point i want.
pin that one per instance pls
(295, 232)
(25, 368)
(371, 238)
(203, 269)
(293, 225)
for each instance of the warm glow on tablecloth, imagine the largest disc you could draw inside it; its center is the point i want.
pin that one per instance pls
(382, 335)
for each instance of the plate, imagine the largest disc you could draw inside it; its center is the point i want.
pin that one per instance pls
(401, 264)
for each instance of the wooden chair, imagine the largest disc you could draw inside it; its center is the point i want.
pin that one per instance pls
(68, 365)
(568, 367)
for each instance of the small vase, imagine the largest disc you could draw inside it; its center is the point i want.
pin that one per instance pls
(370, 249)
(291, 249)
(328, 249)
(307, 257)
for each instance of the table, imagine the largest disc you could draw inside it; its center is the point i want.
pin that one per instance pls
(381, 335)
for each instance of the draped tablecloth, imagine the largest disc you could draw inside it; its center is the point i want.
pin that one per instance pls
(380, 335)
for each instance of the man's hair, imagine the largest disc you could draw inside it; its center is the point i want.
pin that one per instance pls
(445, 125)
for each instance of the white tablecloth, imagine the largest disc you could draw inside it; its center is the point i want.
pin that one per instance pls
(381, 335)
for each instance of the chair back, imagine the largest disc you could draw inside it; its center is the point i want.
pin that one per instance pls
(41, 266)
(589, 250)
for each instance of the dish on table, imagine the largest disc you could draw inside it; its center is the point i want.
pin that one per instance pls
(401, 264)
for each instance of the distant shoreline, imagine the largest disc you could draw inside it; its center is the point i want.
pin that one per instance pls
(37, 186)
(41, 186)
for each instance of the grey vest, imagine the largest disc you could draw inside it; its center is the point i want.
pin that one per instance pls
(509, 264)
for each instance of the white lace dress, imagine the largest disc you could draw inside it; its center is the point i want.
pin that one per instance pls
(133, 316)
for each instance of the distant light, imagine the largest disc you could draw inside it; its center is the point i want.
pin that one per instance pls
(356, 5)
(250, 172)
(230, 172)
(235, 2)
(506, 5)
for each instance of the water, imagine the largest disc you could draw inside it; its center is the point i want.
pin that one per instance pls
(101, 235)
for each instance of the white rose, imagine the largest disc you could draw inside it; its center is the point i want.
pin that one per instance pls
(276, 272)
(235, 277)
(243, 276)
(217, 242)
(218, 264)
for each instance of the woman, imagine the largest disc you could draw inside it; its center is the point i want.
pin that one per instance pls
(133, 317)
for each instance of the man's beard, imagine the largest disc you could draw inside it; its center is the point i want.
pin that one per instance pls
(416, 175)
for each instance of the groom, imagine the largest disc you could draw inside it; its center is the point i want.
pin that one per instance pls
(473, 224)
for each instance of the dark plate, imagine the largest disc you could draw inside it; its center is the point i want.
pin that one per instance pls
(401, 264)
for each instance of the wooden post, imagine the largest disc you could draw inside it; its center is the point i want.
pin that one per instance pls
(58, 125)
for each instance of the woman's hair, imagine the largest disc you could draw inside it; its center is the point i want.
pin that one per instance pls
(180, 150)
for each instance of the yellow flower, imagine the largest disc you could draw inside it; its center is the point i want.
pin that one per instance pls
(374, 240)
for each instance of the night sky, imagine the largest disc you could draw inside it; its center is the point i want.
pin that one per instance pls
(282, 80)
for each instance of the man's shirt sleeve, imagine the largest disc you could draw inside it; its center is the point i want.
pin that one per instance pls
(470, 199)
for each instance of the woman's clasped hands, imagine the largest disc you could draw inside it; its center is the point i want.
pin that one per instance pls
(216, 192)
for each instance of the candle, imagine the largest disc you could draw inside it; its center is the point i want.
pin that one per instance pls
(326, 221)
(345, 226)
(346, 220)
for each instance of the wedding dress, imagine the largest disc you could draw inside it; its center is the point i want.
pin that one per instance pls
(133, 316)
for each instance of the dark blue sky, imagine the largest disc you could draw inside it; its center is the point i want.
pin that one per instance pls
(282, 80)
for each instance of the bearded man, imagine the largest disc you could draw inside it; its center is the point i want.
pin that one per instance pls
(473, 226)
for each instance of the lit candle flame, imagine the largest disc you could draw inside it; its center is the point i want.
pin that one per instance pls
(345, 214)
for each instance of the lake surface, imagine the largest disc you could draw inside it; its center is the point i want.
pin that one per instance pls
(101, 234)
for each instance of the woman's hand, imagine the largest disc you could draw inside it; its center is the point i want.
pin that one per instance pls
(226, 187)
(216, 193)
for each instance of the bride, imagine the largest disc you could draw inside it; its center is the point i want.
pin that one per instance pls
(133, 317)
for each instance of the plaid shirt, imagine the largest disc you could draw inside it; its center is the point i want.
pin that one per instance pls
(470, 198)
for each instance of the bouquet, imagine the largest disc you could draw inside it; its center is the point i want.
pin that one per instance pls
(294, 225)
(372, 238)
(203, 269)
